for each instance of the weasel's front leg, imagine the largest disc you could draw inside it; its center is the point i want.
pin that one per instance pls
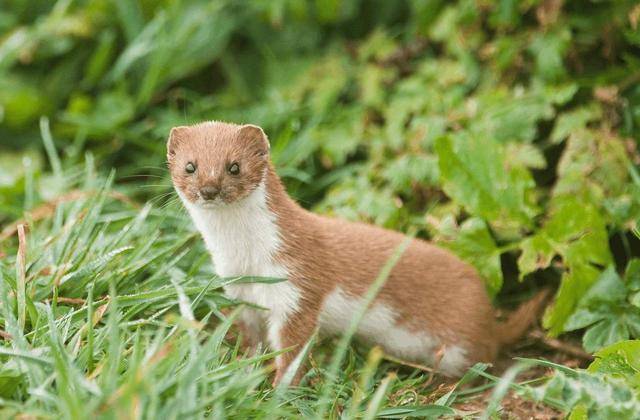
(293, 331)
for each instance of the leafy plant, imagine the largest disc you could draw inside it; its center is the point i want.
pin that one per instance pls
(608, 388)
(609, 309)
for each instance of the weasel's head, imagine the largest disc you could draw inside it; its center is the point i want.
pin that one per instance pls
(215, 163)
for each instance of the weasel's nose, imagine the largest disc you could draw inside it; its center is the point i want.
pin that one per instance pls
(209, 192)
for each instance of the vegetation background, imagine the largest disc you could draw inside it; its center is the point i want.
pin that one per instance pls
(504, 130)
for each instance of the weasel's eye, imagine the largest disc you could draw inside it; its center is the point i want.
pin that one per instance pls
(234, 169)
(190, 168)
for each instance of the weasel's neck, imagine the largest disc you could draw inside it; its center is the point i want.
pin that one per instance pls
(244, 238)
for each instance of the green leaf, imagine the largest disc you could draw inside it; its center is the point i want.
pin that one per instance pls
(584, 317)
(575, 231)
(408, 171)
(579, 412)
(476, 174)
(594, 164)
(605, 305)
(569, 122)
(473, 243)
(604, 391)
(537, 253)
(608, 289)
(340, 138)
(548, 49)
(526, 154)
(605, 332)
(621, 359)
(505, 116)
(632, 275)
(573, 285)
(557, 93)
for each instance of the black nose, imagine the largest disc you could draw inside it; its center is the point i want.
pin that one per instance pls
(209, 192)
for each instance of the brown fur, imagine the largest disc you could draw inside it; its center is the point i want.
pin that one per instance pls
(214, 148)
(430, 288)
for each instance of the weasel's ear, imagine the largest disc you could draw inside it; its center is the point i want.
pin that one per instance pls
(176, 137)
(255, 135)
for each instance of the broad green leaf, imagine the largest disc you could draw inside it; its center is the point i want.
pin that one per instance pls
(593, 394)
(10, 378)
(505, 116)
(537, 252)
(548, 49)
(557, 93)
(632, 274)
(604, 309)
(575, 231)
(473, 243)
(593, 163)
(339, 137)
(324, 90)
(525, 154)
(378, 45)
(357, 199)
(571, 121)
(608, 289)
(408, 171)
(573, 285)
(621, 359)
(579, 412)
(584, 317)
(475, 173)
(374, 81)
(604, 333)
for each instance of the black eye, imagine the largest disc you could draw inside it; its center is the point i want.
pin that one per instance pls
(234, 169)
(190, 168)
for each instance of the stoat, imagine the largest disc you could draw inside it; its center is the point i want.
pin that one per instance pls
(433, 308)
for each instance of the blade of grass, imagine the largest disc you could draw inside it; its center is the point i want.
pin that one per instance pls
(378, 397)
(50, 147)
(502, 388)
(90, 329)
(21, 269)
(374, 358)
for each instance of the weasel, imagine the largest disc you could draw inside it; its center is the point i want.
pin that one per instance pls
(432, 309)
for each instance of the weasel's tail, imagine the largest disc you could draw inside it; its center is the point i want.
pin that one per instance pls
(521, 319)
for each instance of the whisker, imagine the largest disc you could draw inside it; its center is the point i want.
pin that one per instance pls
(169, 204)
(161, 168)
(153, 185)
(143, 176)
(161, 197)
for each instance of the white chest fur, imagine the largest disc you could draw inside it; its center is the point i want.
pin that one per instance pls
(243, 240)
(242, 237)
